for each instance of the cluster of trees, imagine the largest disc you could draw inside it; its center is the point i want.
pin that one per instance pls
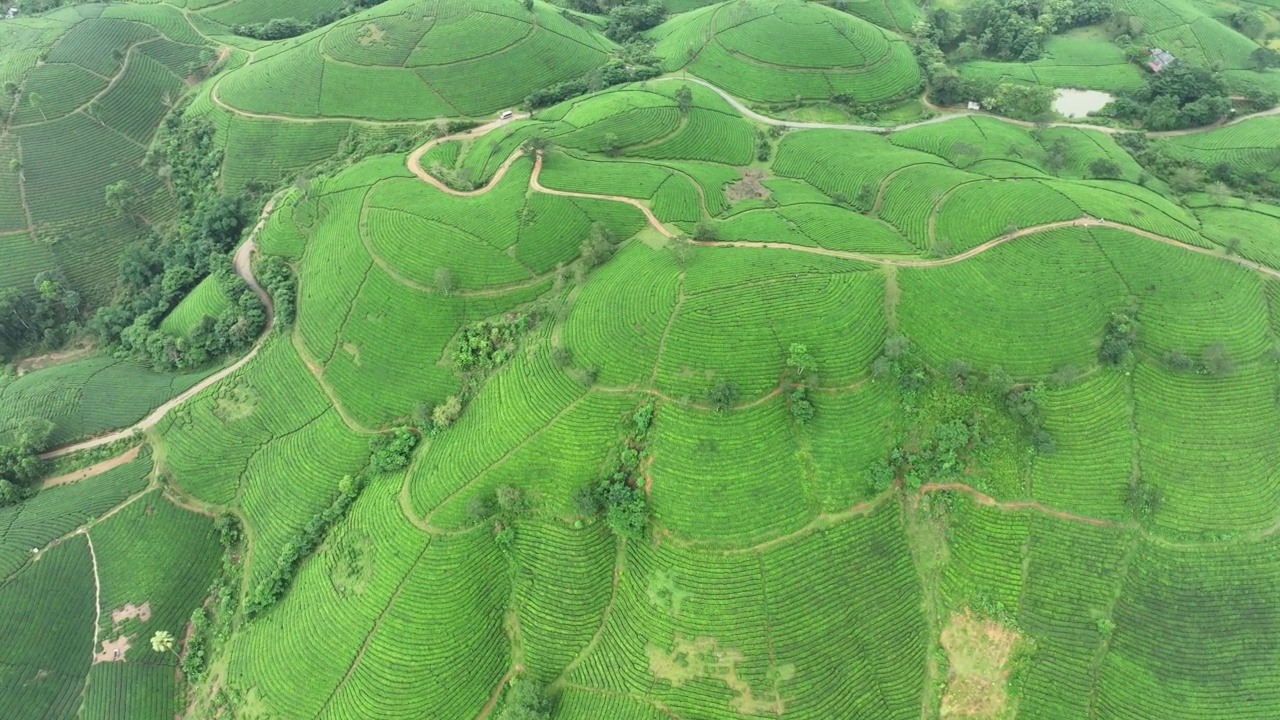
(800, 363)
(1010, 29)
(157, 274)
(272, 588)
(1213, 360)
(619, 494)
(486, 345)
(526, 700)
(389, 452)
(628, 20)
(46, 318)
(634, 68)
(1118, 338)
(281, 28)
(947, 449)
(1186, 176)
(1179, 96)
(274, 273)
(20, 459)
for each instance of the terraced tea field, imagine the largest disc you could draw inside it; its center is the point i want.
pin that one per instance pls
(645, 404)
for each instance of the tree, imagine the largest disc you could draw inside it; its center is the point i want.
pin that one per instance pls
(598, 247)
(1105, 168)
(444, 280)
(612, 145)
(1249, 22)
(535, 145)
(447, 412)
(1175, 359)
(1186, 179)
(162, 642)
(1217, 361)
(34, 99)
(10, 87)
(680, 245)
(684, 99)
(528, 5)
(1024, 102)
(721, 396)
(798, 357)
(121, 198)
(1263, 58)
(94, 110)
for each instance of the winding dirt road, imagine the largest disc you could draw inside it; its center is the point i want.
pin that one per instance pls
(243, 265)
(244, 254)
(947, 114)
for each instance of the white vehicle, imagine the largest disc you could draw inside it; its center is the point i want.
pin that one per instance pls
(506, 114)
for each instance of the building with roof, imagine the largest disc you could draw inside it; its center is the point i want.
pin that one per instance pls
(1160, 59)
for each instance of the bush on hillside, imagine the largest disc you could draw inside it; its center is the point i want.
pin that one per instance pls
(389, 452)
(20, 463)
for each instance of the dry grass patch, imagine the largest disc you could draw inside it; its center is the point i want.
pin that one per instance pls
(750, 187)
(978, 651)
(703, 657)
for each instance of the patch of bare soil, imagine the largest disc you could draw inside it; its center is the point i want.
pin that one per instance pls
(92, 470)
(130, 611)
(750, 187)
(705, 657)
(978, 651)
(39, 362)
(113, 650)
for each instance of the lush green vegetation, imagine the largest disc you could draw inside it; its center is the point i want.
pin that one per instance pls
(639, 405)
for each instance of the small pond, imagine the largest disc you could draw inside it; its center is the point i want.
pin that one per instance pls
(1074, 103)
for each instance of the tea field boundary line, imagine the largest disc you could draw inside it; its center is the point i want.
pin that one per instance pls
(619, 564)
(947, 114)
(979, 249)
(93, 470)
(497, 691)
(377, 623)
(426, 519)
(97, 591)
(666, 330)
(982, 498)
(317, 373)
(217, 100)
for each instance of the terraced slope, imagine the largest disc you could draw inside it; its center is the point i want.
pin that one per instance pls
(406, 60)
(714, 418)
(773, 52)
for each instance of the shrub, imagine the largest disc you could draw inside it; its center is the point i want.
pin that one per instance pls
(486, 344)
(802, 409)
(1119, 336)
(389, 452)
(721, 396)
(526, 700)
(1216, 361)
(447, 412)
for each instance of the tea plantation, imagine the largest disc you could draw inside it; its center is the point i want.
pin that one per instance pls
(496, 359)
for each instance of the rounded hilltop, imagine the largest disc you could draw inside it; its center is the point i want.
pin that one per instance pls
(413, 60)
(784, 50)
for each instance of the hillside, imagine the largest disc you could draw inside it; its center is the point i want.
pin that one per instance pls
(452, 359)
